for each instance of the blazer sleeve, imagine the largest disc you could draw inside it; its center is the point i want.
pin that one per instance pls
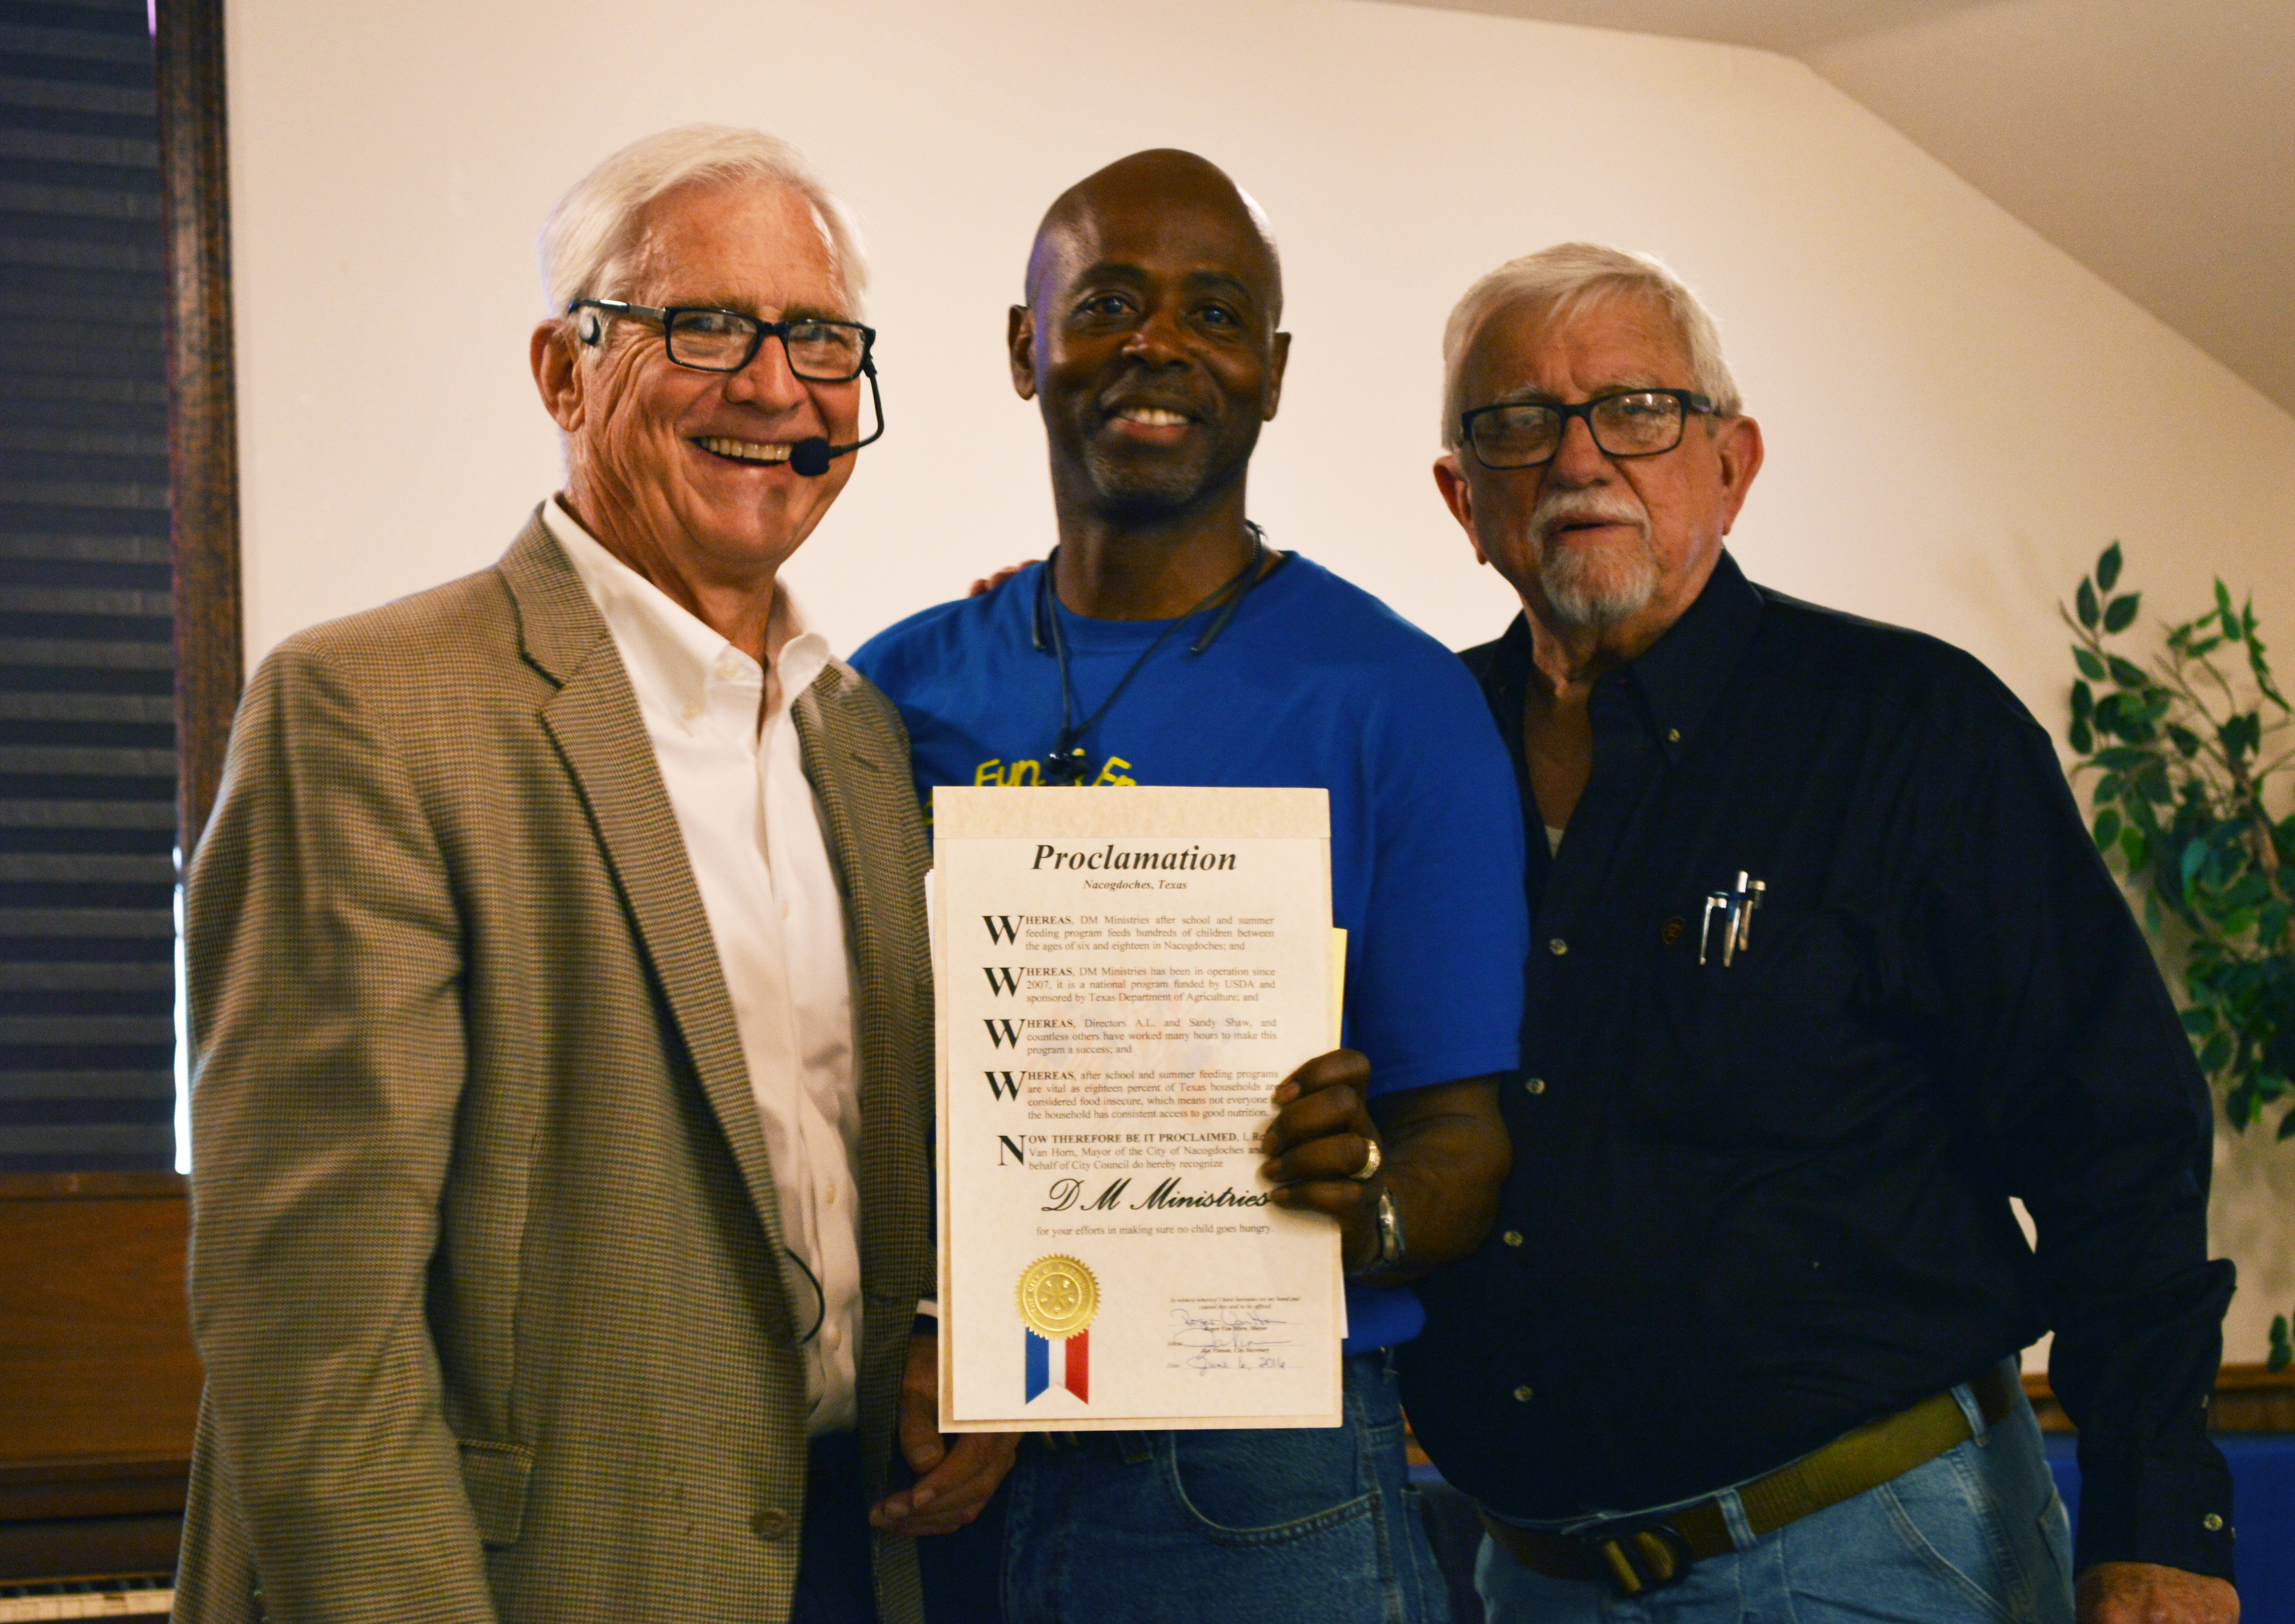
(324, 955)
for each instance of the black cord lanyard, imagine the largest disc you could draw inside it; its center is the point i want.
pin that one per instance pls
(1066, 763)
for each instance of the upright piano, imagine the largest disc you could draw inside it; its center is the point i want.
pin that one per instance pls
(99, 1391)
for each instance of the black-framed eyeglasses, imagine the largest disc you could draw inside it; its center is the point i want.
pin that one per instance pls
(1626, 423)
(725, 340)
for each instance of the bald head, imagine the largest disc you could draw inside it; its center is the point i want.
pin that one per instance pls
(1150, 340)
(1162, 181)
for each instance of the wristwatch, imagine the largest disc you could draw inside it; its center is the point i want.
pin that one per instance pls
(1390, 1236)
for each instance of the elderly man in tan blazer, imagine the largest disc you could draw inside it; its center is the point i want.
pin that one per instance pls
(562, 1015)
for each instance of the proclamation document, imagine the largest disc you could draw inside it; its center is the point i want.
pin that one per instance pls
(1123, 977)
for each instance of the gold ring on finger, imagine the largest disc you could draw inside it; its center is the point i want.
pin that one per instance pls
(1371, 1159)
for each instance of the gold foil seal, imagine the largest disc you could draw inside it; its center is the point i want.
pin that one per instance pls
(1058, 1296)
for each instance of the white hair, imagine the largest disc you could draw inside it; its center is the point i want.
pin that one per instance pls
(1567, 278)
(589, 238)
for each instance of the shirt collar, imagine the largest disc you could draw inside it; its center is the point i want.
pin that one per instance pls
(682, 653)
(1680, 675)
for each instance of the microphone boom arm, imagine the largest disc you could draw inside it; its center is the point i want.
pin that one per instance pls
(811, 457)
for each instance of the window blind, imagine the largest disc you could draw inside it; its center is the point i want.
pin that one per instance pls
(88, 745)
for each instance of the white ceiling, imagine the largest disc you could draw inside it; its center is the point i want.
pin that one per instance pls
(2154, 142)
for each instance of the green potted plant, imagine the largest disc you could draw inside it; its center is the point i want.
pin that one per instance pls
(2185, 754)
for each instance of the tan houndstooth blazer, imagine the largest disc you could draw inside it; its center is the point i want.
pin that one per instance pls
(484, 1252)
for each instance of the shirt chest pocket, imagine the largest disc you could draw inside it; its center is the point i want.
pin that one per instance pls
(1762, 1044)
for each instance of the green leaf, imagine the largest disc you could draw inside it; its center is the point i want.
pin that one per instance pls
(2119, 758)
(2090, 667)
(2198, 1022)
(2107, 568)
(2224, 609)
(2128, 673)
(2121, 613)
(2282, 1346)
(2217, 1051)
(2133, 850)
(2286, 1131)
(2107, 787)
(2107, 829)
(2083, 701)
(2186, 741)
(2083, 604)
(2082, 739)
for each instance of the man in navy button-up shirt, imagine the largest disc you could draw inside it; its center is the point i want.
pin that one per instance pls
(1825, 971)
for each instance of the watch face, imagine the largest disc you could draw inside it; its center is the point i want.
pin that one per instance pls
(1390, 1232)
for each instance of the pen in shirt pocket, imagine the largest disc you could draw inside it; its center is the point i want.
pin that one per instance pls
(1735, 907)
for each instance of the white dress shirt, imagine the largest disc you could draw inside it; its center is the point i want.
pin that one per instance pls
(730, 760)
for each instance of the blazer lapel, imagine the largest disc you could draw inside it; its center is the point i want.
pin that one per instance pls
(594, 719)
(858, 774)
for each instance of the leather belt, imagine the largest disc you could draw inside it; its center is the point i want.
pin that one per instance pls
(1650, 1556)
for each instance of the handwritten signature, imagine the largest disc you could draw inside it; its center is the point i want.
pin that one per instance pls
(1227, 1340)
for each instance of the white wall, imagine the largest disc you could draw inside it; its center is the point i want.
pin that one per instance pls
(1958, 416)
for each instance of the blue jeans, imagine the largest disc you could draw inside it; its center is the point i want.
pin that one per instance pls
(1272, 1523)
(1976, 1534)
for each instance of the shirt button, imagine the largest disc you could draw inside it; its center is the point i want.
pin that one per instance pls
(2213, 1523)
(692, 711)
(1536, 1085)
(1511, 1238)
(771, 1523)
(830, 1196)
(1673, 735)
(1523, 1395)
(1557, 947)
(835, 1337)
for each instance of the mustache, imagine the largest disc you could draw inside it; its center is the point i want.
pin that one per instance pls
(1555, 508)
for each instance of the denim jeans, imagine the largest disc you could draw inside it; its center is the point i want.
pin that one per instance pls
(1272, 1523)
(1976, 1534)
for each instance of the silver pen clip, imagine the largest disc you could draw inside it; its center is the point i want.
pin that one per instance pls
(1713, 900)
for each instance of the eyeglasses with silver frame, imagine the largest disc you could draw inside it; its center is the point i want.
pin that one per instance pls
(1624, 423)
(710, 340)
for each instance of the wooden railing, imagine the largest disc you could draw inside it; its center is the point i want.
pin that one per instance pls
(2247, 1399)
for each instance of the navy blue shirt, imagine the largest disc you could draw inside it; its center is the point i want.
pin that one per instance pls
(1312, 683)
(1756, 1203)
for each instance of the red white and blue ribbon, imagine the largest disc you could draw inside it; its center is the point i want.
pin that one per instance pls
(1075, 1364)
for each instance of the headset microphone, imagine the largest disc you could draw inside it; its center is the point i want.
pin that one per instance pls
(811, 457)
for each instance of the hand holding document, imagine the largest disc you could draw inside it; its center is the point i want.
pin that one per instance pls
(1124, 978)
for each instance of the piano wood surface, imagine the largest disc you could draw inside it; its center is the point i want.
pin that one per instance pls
(99, 1383)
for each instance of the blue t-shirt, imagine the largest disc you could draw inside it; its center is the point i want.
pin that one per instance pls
(1313, 683)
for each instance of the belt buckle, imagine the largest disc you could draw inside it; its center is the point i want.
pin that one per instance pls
(1652, 1557)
